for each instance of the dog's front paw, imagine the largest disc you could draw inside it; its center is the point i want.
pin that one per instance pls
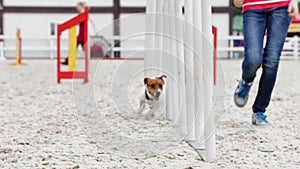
(140, 111)
(149, 115)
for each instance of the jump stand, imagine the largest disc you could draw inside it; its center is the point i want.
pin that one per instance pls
(18, 48)
(71, 26)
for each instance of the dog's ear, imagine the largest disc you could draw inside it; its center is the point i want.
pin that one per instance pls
(146, 80)
(162, 78)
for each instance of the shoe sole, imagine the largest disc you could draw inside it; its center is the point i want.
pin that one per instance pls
(254, 122)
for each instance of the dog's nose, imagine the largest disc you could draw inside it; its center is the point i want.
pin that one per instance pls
(157, 94)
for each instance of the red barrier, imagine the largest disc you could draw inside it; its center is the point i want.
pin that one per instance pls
(215, 33)
(82, 17)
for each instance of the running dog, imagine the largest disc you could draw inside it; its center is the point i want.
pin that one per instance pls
(154, 95)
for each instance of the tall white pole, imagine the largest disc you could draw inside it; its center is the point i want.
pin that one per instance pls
(166, 59)
(158, 35)
(173, 62)
(198, 74)
(210, 124)
(180, 65)
(150, 38)
(189, 70)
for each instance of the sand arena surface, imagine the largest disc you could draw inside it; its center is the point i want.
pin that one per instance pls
(40, 128)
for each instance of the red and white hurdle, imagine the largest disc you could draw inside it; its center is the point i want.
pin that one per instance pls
(188, 38)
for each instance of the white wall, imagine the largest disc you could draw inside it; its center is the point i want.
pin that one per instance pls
(56, 2)
(221, 21)
(133, 31)
(133, 2)
(38, 25)
(31, 25)
(72, 2)
(220, 2)
(132, 23)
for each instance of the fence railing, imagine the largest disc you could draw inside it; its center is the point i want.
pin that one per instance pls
(228, 49)
(46, 47)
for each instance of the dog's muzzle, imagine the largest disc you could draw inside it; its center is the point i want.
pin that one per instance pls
(156, 95)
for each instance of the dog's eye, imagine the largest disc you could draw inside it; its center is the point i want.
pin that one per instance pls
(160, 86)
(152, 86)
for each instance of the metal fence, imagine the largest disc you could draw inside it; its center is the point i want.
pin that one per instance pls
(228, 49)
(45, 48)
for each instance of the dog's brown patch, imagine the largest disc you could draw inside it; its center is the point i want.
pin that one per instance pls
(154, 84)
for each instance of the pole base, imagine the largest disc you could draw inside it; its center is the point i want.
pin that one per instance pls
(200, 152)
(18, 64)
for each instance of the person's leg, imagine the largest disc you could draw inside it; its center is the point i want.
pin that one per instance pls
(66, 61)
(277, 28)
(254, 25)
(254, 29)
(79, 42)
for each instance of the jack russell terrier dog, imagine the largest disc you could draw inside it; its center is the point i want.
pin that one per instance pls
(153, 95)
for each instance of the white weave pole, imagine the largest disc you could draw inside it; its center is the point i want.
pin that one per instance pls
(189, 72)
(181, 66)
(197, 119)
(158, 37)
(198, 75)
(210, 124)
(150, 38)
(166, 59)
(174, 65)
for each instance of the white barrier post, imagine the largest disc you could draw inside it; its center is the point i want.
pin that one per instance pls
(173, 60)
(166, 59)
(2, 49)
(180, 66)
(188, 52)
(159, 31)
(150, 37)
(209, 123)
(198, 74)
(296, 47)
(52, 46)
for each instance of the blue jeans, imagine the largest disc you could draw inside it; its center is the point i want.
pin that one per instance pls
(276, 21)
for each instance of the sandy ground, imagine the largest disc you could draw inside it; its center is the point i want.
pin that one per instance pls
(46, 125)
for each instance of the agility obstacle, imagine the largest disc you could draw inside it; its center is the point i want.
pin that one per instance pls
(18, 60)
(188, 38)
(18, 47)
(71, 26)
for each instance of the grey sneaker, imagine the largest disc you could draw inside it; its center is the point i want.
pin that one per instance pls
(241, 93)
(259, 118)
